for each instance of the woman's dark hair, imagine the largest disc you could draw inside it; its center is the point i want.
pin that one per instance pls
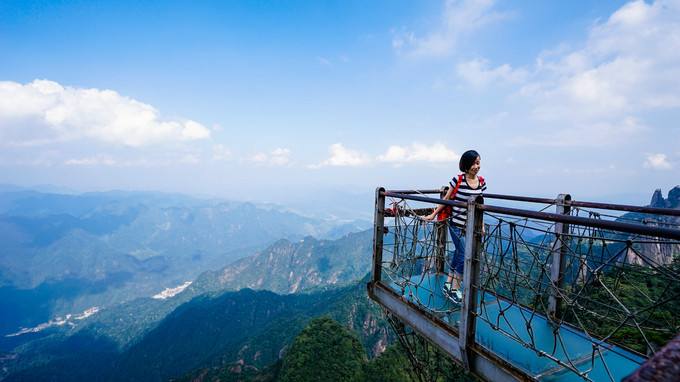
(467, 160)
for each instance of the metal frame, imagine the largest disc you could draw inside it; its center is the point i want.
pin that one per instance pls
(441, 233)
(484, 363)
(574, 203)
(473, 243)
(461, 345)
(663, 232)
(378, 233)
(559, 257)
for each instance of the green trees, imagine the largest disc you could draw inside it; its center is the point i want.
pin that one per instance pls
(324, 351)
(392, 365)
(327, 351)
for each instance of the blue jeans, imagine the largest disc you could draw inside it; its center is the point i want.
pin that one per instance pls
(457, 261)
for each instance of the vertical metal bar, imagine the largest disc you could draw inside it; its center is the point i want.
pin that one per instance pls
(440, 248)
(441, 235)
(378, 232)
(559, 257)
(471, 277)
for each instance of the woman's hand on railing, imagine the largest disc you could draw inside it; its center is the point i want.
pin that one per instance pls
(430, 217)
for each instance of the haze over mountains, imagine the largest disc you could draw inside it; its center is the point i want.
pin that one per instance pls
(290, 267)
(63, 254)
(151, 338)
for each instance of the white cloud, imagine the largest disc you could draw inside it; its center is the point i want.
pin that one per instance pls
(340, 156)
(460, 17)
(189, 159)
(220, 152)
(277, 157)
(44, 111)
(91, 161)
(280, 157)
(148, 162)
(434, 153)
(597, 134)
(629, 63)
(193, 130)
(600, 92)
(478, 74)
(657, 161)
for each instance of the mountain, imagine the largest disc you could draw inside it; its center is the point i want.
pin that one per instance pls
(659, 253)
(323, 351)
(68, 253)
(248, 328)
(673, 200)
(290, 267)
(314, 264)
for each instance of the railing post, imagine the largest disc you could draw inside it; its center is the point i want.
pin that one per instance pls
(559, 254)
(441, 235)
(471, 277)
(378, 233)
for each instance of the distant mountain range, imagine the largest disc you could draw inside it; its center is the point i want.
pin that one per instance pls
(318, 266)
(63, 253)
(284, 267)
(290, 267)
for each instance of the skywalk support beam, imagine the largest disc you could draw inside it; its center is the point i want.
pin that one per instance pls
(559, 254)
(471, 277)
(486, 365)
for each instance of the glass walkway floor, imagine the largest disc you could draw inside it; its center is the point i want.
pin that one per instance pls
(505, 320)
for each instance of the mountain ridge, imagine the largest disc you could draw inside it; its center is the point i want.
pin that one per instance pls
(248, 327)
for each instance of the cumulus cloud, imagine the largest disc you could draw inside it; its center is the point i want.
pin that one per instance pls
(596, 134)
(459, 18)
(277, 157)
(598, 91)
(657, 161)
(478, 74)
(437, 152)
(44, 111)
(629, 63)
(340, 156)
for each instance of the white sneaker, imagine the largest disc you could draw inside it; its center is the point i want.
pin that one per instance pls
(452, 294)
(458, 295)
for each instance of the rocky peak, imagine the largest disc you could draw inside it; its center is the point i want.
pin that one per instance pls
(657, 199)
(674, 197)
(673, 200)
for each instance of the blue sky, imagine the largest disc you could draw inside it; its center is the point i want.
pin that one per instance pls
(271, 100)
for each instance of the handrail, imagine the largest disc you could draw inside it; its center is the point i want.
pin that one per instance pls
(574, 203)
(627, 208)
(667, 233)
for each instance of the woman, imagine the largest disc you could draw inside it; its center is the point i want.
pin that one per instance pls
(465, 185)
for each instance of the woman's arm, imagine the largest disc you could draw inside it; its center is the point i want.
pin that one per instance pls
(440, 207)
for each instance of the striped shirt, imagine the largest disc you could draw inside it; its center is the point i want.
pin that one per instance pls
(459, 214)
